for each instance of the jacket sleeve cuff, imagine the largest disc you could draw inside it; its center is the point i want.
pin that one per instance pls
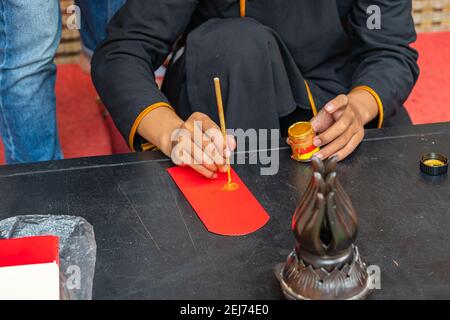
(378, 100)
(135, 142)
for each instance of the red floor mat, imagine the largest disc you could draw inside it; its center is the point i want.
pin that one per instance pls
(84, 130)
(430, 99)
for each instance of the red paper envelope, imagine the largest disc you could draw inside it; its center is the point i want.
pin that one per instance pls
(29, 268)
(229, 213)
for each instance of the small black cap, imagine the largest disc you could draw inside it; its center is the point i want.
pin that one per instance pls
(434, 164)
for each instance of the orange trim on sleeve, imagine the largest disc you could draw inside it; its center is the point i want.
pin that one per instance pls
(242, 7)
(378, 100)
(148, 146)
(311, 99)
(141, 116)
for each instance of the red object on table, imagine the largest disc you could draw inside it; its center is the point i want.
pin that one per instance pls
(229, 213)
(29, 268)
(29, 250)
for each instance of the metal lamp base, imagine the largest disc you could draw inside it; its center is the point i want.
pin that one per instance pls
(301, 281)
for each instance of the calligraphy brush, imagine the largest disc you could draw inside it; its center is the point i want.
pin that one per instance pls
(229, 186)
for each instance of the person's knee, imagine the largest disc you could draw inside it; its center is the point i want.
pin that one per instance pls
(242, 38)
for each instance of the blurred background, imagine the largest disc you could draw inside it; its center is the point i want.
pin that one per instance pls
(86, 129)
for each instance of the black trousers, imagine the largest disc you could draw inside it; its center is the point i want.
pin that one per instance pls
(262, 86)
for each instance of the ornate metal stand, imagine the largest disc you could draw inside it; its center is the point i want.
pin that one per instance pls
(326, 263)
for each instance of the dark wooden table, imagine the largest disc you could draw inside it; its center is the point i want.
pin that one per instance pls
(151, 245)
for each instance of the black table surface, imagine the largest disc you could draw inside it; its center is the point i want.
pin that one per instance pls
(151, 244)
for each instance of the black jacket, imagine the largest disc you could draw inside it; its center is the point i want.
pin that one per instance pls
(328, 40)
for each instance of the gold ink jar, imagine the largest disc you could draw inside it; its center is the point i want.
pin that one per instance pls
(301, 137)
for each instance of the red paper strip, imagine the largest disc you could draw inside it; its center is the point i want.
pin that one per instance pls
(29, 250)
(229, 213)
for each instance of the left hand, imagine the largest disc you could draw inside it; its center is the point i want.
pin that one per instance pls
(340, 123)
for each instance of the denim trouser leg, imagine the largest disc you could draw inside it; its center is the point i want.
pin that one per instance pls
(29, 36)
(95, 16)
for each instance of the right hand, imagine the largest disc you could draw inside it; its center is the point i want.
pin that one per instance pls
(199, 144)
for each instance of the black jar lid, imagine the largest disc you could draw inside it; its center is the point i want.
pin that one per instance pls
(434, 164)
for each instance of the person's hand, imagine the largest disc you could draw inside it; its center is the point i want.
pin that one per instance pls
(199, 144)
(340, 124)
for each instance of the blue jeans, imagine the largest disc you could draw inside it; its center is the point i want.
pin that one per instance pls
(95, 16)
(29, 36)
